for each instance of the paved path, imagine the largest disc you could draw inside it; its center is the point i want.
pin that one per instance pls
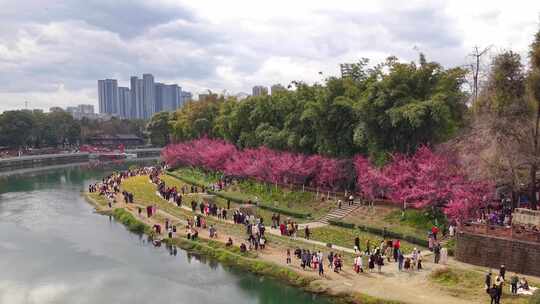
(391, 284)
(277, 232)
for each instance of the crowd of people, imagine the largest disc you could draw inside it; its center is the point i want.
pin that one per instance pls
(255, 228)
(109, 186)
(371, 258)
(494, 287)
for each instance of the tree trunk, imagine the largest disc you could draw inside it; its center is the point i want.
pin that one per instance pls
(534, 165)
(532, 187)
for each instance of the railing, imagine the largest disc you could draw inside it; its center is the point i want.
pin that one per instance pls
(514, 232)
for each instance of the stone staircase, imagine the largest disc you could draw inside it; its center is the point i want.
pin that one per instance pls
(339, 213)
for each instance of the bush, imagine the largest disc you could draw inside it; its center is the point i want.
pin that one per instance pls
(133, 224)
(382, 232)
(341, 224)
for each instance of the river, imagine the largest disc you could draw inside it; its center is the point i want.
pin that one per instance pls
(55, 249)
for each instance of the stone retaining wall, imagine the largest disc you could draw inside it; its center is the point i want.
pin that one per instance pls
(483, 250)
(13, 163)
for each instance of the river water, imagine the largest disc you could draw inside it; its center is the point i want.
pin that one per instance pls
(54, 249)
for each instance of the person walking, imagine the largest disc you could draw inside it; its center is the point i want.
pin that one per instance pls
(513, 283)
(307, 232)
(437, 253)
(502, 271)
(356, 244)
(288, 256)
(331, 259)
(358, 264)
(499, 281)
(487, 281)
(400, 260)
(492, 291)
(321, 269)
(380, 262)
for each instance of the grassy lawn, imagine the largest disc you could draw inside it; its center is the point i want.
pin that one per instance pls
(469, 284)
(415, 222)
(144, 193)
(269, 195)
(345, 237)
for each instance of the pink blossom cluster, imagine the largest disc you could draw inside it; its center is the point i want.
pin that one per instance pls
(261, 163)
(424, 179)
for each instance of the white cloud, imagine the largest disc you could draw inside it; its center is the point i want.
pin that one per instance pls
(53, 54)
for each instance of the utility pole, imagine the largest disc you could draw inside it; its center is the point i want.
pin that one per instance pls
(475, 67)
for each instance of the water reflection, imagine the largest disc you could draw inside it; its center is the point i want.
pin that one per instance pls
(56, 250)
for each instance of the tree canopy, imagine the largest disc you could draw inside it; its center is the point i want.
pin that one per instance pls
(391, 107)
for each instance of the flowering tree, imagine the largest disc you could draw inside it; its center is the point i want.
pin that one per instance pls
(430, 180)
(422, 180)
(261, 163)
(371, 182)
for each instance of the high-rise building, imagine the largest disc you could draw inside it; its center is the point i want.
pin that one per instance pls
(137, 97)
(144, 97)
(86, 108)
(124, 102)
(149, 96)
(260, 91)
(72, 110)
(277, 88)
(82, 111)
(167, 97)
(347, 70)
(108, 96)
(186, 97)
(207, 96)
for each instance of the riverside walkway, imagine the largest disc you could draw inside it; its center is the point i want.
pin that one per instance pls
(404, 285)
(311, 225)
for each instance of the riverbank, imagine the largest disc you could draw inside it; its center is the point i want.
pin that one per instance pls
(390, 286)
(36, 161)
(15, 163)
(255, 262)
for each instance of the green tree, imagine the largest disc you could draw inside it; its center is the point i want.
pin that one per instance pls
(534, 95)
(158, 129)
(16, 128)
(411, 105)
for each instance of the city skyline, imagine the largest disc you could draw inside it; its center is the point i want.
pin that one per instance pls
(143, 98)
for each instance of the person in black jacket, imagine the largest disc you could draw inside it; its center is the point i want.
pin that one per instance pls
(487, 281)
(493, 293)
(502, 271)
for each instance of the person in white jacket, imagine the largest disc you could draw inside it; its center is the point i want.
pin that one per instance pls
(358, 264)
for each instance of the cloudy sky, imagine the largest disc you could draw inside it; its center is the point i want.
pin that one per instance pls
(52, 52)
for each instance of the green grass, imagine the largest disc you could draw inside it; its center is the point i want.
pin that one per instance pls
(144, 193)
(535, 299)
(345, 237)
(414, 223)
(132, 223)
(419, 219)
(469, 284)
(296, 204)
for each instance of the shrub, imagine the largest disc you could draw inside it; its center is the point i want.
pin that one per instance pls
(341, 224)
(133, 224)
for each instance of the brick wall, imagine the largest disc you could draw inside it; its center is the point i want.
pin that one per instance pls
(517, 256)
